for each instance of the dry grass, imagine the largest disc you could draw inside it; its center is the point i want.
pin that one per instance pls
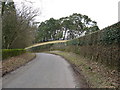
(13, 63)
(98, 76)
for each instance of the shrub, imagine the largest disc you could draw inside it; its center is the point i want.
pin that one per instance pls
(6, 53)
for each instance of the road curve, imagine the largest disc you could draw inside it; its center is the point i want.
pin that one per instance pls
(45, 71)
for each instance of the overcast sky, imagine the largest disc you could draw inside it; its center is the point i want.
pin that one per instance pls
(105, 12)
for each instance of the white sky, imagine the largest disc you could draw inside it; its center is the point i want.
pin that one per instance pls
(105, 12)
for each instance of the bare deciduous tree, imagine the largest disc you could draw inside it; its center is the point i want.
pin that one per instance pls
(18, 27)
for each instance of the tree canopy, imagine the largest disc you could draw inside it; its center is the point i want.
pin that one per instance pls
(65, 28)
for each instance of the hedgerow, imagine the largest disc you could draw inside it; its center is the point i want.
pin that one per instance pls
(101, 46)
(106, 36)
(6, 53)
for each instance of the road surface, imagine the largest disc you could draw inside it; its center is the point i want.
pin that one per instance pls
(45, 71)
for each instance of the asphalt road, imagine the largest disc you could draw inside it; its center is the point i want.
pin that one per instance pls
(45, 71)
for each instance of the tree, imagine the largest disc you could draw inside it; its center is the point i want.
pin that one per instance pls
(67, 27)
(9, 20)
(18, 26)
(25, 26)
(48, 30)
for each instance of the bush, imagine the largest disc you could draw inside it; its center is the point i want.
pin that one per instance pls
(6, 53)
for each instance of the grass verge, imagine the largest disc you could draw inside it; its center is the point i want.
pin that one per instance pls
(98, 76)
(13, 63)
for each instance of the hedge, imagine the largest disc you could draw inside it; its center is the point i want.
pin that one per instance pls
(102, 46)
(106, 36)
(6, 53)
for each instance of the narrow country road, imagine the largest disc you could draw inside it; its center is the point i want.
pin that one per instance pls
(45, 71)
